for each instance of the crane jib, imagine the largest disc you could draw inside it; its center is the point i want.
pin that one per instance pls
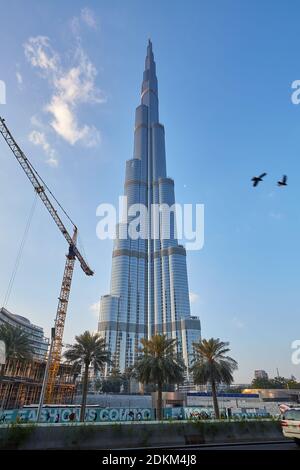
(40, 189)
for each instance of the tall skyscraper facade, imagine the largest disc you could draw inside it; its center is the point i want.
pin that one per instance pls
(149, 291)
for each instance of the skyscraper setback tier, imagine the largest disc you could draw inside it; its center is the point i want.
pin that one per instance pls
(149, 286)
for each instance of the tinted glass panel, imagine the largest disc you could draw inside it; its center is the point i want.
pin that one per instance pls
(293, 415)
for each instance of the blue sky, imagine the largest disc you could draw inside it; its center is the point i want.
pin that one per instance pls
(73, 73)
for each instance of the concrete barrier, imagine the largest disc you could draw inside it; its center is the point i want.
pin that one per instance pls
(129, 435)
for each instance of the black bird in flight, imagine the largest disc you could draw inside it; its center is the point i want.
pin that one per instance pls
(257, 179)
(283, 181)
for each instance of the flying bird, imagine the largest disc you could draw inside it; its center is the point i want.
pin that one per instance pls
(283, 181)
(257, 179)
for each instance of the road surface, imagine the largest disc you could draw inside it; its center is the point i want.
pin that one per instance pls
(284, 445)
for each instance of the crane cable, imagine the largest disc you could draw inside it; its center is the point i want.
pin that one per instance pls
(34, 170)
(20, 252)
(81, 247)
(49, 190)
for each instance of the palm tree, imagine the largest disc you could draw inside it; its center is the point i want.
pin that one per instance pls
(88, 350)
(17, 343)
(212, 365)
(159, 365)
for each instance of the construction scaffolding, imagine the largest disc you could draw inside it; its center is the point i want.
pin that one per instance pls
(21, 383)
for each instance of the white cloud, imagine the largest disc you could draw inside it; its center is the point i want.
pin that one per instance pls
(52, 161)
(75, 25)
(88, 17)
(39, 138)
(238, 323)
(276, 215)
(35, 121)
(193, 297)
(19, 78)
(95, 308)
(40, 54)
(64, 121)
(78, 83)
(71, 87)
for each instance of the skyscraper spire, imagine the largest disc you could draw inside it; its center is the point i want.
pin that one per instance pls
(149, 95)
(149, 49)
(149, 284)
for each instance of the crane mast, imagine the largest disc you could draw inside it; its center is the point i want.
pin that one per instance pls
(60, 319)
(73, 253)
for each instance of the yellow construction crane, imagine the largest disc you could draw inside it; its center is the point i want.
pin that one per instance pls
(41, 189)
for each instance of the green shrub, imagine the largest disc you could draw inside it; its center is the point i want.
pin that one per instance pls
(15, 435)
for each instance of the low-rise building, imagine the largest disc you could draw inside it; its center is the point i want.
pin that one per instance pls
(35, 333)
(276, 394)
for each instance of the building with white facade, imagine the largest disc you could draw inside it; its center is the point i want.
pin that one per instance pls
(149, 291)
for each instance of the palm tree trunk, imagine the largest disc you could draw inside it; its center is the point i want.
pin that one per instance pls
(84, 392)
(215, 399)
(159, 401)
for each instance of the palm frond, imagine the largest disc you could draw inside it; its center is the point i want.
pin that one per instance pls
(158, 361)
(88, 349)
(211, 364)
(17, 342)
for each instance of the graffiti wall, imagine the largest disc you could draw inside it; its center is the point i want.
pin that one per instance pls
(71, 414)
(194, 412)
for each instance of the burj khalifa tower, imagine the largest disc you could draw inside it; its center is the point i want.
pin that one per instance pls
(149, 291)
